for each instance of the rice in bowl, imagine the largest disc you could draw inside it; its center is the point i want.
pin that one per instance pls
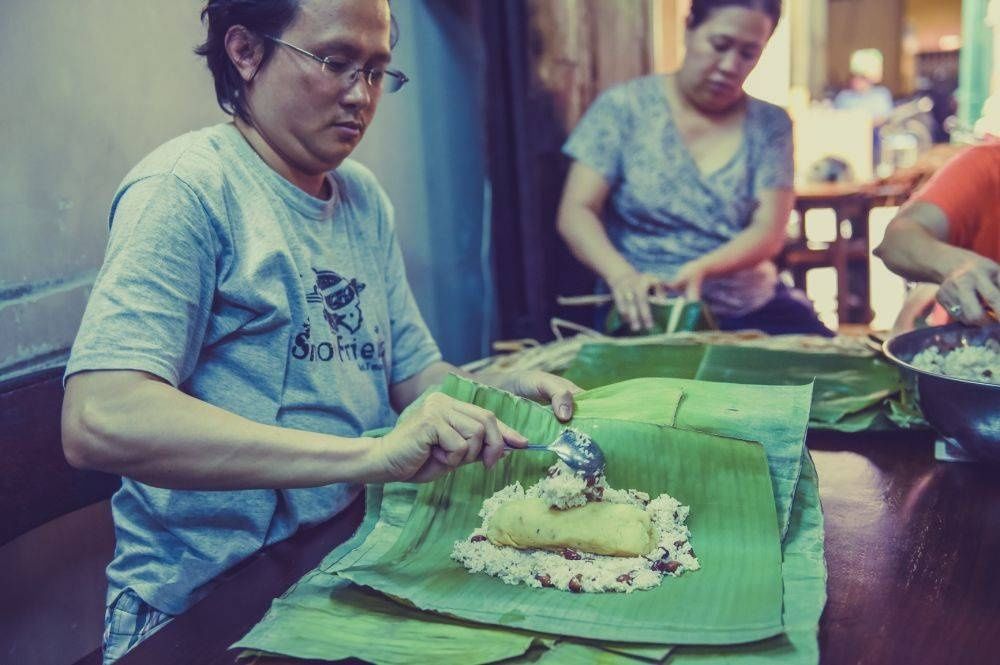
(972, 363)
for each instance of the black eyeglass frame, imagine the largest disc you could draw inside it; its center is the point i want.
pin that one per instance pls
(375, 78)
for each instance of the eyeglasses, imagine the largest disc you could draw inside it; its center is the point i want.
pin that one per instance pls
(384, 80)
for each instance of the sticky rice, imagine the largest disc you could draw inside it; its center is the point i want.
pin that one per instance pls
(576, 570)
(973, 363)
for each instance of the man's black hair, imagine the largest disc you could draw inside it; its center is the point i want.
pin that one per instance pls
(261, 17)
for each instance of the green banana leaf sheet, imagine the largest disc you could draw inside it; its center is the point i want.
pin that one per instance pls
(312, 619)
(597, 365)
(728, 410)
(736, 597)
(844, 384)
(326, 617)
(804, 574)
(851, 393)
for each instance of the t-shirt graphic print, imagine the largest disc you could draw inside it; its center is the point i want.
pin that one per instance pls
(341, 302)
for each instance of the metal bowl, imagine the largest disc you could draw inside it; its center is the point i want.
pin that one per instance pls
(965, 413)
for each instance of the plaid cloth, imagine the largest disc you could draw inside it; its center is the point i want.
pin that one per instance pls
(128, 621)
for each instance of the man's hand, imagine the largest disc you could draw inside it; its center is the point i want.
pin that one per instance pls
(631, 293)
(541, 387)
(970, 292)
(918, 305)
(439, 436)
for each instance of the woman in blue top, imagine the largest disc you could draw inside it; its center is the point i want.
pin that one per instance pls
(684, 182)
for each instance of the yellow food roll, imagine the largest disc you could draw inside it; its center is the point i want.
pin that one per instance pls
(612, 529)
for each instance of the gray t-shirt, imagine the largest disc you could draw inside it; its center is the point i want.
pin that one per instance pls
(662, 211)
(229, 282)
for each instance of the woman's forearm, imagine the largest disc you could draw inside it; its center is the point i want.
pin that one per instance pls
(762, 239)
(745, 250)
(130, 424)
(584, 233)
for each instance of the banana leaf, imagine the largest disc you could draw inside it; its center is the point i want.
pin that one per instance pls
(845, 385)
(380, 638)
(804, 574)
(574, 651)
(324, 617)
(734, 526)
(377, 630)
(571, 653)
(904, 411)
(694, 316)
(729, 410)
(599, 365)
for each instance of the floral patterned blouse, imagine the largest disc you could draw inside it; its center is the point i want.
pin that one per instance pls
(662, 211)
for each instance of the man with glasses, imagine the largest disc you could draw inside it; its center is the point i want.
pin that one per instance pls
(252, 319)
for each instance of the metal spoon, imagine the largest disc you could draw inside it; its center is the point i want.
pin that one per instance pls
(577, 450)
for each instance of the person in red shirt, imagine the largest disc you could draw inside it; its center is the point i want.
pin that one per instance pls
(949, 234)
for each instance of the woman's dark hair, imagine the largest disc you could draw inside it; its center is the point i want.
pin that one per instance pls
(262, 17)
(702, 9)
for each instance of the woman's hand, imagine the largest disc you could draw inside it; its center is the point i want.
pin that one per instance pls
(439, 436)
(689, 280)
(541, 387)
(631, 292)
(971, 291)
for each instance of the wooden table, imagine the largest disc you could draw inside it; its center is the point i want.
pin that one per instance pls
(912, 547)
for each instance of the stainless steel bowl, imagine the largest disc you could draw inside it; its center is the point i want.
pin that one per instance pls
(966, 413)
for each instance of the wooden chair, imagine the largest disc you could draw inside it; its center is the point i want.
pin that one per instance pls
(56, 534)
(848, 254)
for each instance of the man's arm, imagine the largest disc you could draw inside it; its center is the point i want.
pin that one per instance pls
(915, 244)
(136, 425)
(914, 247)
(918, 305)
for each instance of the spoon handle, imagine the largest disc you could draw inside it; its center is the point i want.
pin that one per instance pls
(530, 446)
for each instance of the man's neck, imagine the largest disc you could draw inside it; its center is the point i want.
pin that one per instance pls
(314, 184)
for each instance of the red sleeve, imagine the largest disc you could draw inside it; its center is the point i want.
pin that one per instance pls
(966, 189)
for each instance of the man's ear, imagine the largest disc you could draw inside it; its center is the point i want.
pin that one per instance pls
(245, 51)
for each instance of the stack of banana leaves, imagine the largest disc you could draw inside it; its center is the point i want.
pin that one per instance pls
(852, 393)
(733, 453)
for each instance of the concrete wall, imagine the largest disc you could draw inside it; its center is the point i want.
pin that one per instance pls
(88, 87)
